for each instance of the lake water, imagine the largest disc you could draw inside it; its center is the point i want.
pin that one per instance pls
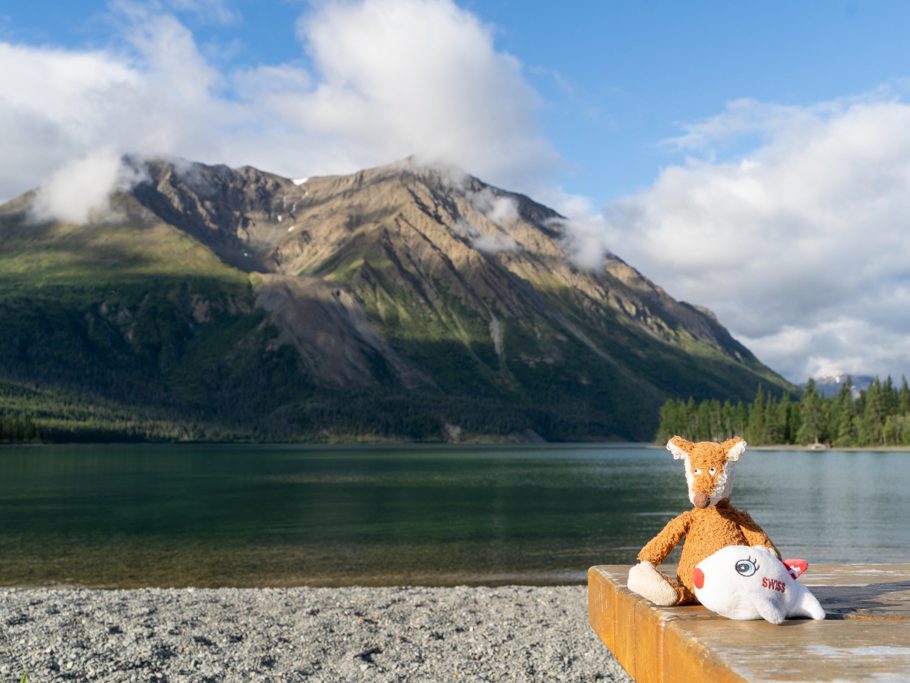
(248, 515)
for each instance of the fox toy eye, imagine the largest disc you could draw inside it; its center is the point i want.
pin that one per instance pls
(713, 471)
(697, 472)
(746, 567)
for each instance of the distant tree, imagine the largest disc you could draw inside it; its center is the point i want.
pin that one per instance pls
(704, 421)
(728, 420)
(741, 419)
(774, 431)
(691, 419)
(898, 426)
(873, 416)
(845, 434)
(810, 409)
(890, 398)
(784, 419)
(757, 427)
(672, 420)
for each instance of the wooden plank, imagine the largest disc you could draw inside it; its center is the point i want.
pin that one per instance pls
(866, 637)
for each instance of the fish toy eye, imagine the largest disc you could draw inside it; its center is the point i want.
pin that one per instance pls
(746, 567)
(712, 471)
(697, 471)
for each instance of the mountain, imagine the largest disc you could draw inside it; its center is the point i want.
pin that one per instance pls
(406, 301)
(830, 385)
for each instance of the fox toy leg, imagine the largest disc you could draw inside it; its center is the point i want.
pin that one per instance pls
(647, 581)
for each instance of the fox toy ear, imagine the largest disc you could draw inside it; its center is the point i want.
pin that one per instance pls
(679, 447)
(734, 448)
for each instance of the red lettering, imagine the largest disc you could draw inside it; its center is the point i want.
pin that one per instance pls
(773, 585)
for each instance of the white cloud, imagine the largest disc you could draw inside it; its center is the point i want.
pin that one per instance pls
(66, 112)
(80, 187)
(504, 210)
(500, 209)
(422, 76)
(389, 78)
(801, 244)
(584, 228)
(495, 242)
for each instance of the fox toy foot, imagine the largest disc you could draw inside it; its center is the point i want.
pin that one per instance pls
(648, 582)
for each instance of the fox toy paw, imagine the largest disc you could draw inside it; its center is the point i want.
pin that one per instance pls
(647, 581)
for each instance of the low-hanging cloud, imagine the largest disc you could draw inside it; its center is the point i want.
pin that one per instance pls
(495, 242)
(800, 244)
(78, 191)
(387, 79)
(498, 208)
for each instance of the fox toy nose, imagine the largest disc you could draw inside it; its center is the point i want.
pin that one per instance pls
(701, 500)
(698, 578)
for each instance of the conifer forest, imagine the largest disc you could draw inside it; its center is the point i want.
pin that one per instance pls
(877, 416)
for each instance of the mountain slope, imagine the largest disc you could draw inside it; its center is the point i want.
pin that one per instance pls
(401, 301)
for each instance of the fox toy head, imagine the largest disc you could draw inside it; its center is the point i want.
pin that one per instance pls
(709, 468)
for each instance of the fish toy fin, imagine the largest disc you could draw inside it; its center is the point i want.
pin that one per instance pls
(809, 606)
(769, 610)
(796, 567)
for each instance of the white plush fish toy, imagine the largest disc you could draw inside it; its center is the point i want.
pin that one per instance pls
(747, 582)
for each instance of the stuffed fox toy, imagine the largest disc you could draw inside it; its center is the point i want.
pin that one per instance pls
(711, 525)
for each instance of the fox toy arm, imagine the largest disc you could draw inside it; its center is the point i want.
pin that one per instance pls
(754, 534)
(662, 545)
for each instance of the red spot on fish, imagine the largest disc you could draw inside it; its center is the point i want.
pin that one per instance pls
(698, 578)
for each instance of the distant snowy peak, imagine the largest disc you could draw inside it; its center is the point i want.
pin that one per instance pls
(831, 385)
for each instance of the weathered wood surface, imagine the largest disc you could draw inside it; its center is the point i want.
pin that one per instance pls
(866, 636)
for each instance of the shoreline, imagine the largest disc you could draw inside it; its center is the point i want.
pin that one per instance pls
(833, 449)
(507, 633)
(443, 445)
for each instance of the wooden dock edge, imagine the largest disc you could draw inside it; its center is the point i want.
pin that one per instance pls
(866, 636)
(645, 640)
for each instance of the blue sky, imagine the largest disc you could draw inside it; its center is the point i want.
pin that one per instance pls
(749, 157)
(641, 69)
(617, 78)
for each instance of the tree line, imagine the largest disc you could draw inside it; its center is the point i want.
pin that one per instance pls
(879, 415)
(17, 428)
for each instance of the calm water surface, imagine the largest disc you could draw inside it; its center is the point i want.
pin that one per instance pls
(243, 515)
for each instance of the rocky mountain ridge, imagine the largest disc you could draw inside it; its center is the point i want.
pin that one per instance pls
(423, 287)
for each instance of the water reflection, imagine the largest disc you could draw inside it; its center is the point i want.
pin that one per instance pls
(281, 515)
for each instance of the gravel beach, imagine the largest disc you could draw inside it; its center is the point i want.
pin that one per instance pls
(510, 633)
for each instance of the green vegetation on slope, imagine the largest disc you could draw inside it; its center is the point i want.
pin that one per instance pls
(30, 412)
(112, 331)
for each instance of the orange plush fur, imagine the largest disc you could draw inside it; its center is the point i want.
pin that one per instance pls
(712, 524)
